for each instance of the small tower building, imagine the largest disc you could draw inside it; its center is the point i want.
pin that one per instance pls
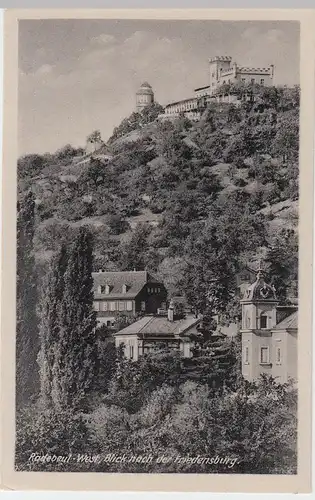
(268, 346)
(144, 96)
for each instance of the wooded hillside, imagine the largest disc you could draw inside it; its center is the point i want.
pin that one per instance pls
(191, 202)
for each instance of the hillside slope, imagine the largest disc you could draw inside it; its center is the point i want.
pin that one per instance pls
(164, 181)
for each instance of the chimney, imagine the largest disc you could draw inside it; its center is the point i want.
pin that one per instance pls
(170, 312)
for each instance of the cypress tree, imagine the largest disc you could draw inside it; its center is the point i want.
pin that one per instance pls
(215, 362)
(27, 380)
(76, 351)
(51, 300)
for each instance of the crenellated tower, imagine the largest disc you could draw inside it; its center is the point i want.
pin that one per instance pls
(217, 65)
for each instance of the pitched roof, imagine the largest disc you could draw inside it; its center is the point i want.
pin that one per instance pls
(135, 281)
(159, 325)
(289, 322)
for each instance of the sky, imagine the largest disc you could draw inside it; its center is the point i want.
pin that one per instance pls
(76, 76)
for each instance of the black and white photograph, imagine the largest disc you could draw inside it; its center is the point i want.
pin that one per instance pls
(157, 235)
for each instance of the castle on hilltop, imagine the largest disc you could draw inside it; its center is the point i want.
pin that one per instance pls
(222, 71)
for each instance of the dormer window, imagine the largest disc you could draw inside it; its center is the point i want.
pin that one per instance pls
(104, 289)
(124, 288)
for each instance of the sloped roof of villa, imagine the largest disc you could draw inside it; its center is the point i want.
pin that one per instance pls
(160, 325)
(290, 322)
(135, 281)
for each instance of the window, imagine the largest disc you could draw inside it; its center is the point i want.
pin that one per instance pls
(124, 288)
(142, 306)
(278, 356)
(246, 355)
(108, 323)
(264, 355)
(121, 306)
(131, 351)
(243, 79)
(104, 289)
(96, 306)
(262, 81)
(129, 305)
(252, 80)
(103, 306)
(263, 320)
(247, 321)
(159, 290)
(112, 306)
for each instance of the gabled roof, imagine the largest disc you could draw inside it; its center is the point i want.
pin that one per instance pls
(135, 281)
(291, 322)
(159, 325)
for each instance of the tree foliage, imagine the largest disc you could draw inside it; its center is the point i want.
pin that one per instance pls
(26, 321)
(68, 349)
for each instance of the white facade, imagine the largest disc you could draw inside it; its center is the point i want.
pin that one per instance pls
(189, 107)
(268, 347)
(224, 71)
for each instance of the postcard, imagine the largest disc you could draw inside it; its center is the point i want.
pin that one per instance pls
(157, 250)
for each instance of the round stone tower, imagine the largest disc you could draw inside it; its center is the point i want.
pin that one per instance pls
(144, 96)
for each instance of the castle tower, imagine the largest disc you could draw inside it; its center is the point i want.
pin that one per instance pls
(259, 318)
(144, 96)
(217, 65)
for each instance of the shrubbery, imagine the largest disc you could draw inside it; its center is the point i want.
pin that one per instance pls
(149, 410)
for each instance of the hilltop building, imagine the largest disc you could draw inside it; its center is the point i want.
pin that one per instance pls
(222, 70)
(269, 334)
(126, 292)
(189, 107)
(164, 329)
(144, 96)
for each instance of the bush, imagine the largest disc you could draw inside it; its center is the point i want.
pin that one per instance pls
(40, 430)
